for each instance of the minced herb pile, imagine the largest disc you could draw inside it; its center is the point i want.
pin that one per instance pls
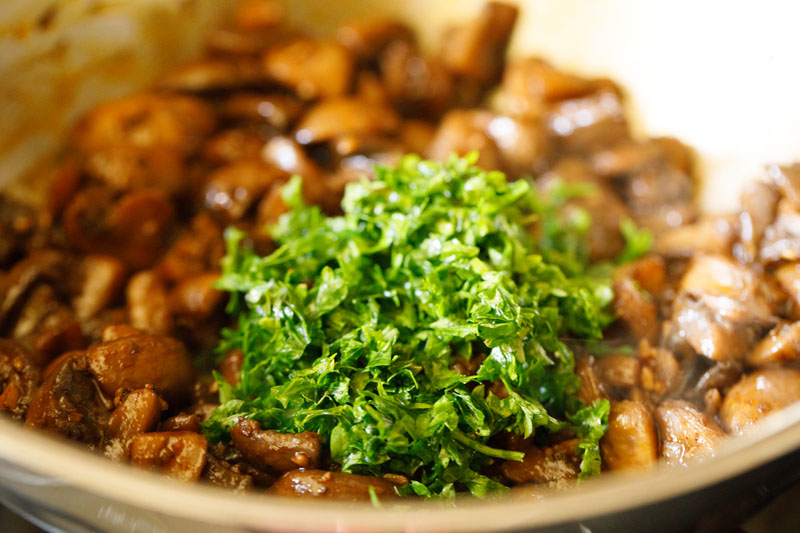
(351, 327)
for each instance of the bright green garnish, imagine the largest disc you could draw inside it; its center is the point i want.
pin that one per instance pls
(350, 328)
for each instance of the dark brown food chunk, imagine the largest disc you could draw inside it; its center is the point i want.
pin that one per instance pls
(556, 466)
(69, 402)
(332, 485)
(758, 394)
(140, 360)
(279, 452)
(630, 441)
(782, 344)
(19, 377)
(366, 38)
(180, 454)
(685, 434)
(102, 280)
(220, 473)
(196, 297)
(313, 69)
(137, 413)
(233, 189)
(618, 370)
(345, 116)
(148, 304)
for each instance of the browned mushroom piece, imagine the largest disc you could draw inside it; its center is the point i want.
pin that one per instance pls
(313, 69)
(113, 332)
(781, 345)
(713, 235)
(591, 389)
(334, 117)
(661, 372)
(69, 402)
(182, 422)
(147, 120)
(231, 367)
(618, 370)
(660, 197)
(133, 228)
(229, 146)
(366, 38)
(557, 466)
(279, 452)
(199, 248)
(759, 203)
(758, 394)
(222, 474)
(630, 442)
(64, 183)
(212, 74)
(39, 266)
(19, 378)
(530, 84)
(47, 326)
(126, 167)
(476, 51)
(588, 123)
(148, 303)
(289, 156)
(180, 454)
(102, 277)
(721, 310)
(781, 241)
(465, 130)
(686, 435)
(635, 308)
(418, 86)
(137, 361)
(258, 15)
(275, 109)
(338, 486)
(788, 277)
(196, 297)
(138, 412)
(233, 189)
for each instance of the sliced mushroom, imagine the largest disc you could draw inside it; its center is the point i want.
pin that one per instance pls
(686, 435)
(19, 378)
(630, 442)
(313, 69)
(148, 303)
(180, 454)
(276, 451)
(137, 413)
(102, 278)
(332, 485)
(556, 466)
(782, 344)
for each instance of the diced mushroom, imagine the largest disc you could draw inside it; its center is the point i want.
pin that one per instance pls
(41, 265)
(277, 110)
(660, 197)
(788, 276)
(758, 394)
(231, 367)
(781, 344)
(102, 278)
(661, 373)
(345, 116)
(648, 272)
(288, 156)
(19, 377)
(199, 248)
(133, 228)
(258, 15)
(759, 202)
(276, 451)
(710, 235)
(313, 69)
(721, 310)
(635, 309)
(781, 240)
(556, 466)
(148, 303)
(140, 360)
(619, 370)
(233, 189)
(366, 38)
(180, 455)
(147, 120)
(476, 51)
(588, 123)
(137, 413)
(418, 86)
(113, 332)
(630, 441)
(523, 144)
(686, 435)
(126, 167)
(208, 75)
(462, 131)
(332, 485)
(233, 145)
(65, 181)
(220, 473)
(184, 422)
(196, 297)
(531, 83)
(590, 389)
(69, 403)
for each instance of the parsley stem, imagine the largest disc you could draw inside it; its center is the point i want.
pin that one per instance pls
(487, 450)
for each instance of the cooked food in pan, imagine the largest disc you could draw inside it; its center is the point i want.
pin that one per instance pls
(342, 268)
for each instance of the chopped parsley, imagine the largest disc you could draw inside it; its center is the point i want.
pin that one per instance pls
(351, 327)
